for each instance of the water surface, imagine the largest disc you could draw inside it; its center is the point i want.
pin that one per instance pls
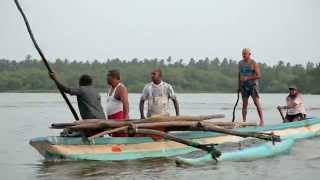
(28, 115)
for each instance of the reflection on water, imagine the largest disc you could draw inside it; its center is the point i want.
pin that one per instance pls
(25, 116)
(96, 169)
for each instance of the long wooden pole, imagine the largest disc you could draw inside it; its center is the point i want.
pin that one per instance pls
(114, 124)
(123, 128)
(99, 123)
(178, 126)
(281, 114)
(235, 106)
(265, 136)
(208, 148)
(193, 125)
(209, 126)
(75, 115)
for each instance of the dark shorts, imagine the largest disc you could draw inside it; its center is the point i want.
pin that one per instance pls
(247, 91)
(296, 117)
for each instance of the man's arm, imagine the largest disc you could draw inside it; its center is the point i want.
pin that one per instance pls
(257, 72)
(123, 96)
(176, 106)
(173, 97)
(141, 107)
(144, 97)
(239, 81)
(59, 84)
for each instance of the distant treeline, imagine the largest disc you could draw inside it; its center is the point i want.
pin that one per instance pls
(202, 75)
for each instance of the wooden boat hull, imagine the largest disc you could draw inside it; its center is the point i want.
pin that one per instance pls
(114, 148)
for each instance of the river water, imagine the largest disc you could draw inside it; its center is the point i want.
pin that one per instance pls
(28, 115)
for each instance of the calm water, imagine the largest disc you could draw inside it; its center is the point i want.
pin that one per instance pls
(24, 116)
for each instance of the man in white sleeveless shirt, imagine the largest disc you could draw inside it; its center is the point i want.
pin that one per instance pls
(117, 97)
(157, 93)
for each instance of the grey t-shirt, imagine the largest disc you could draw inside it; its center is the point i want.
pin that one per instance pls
(89, 102)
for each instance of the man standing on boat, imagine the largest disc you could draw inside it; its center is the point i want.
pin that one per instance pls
(249, 74)
(89, 100)
(117, 99)
(158, 93)
(295, 106)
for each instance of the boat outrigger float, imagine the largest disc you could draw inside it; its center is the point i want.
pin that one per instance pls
(175, 143)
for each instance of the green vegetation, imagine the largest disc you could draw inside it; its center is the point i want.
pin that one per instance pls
(204, 75)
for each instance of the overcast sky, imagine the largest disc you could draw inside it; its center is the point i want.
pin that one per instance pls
(275, 30)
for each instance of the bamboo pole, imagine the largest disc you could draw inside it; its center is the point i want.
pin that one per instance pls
(265, 136)
(44, 59)
(123, 128)
(208, 148)
(178, 126)
(195, 126)
(113, 123)
(281, 114)
(211, 126)
(235, 106)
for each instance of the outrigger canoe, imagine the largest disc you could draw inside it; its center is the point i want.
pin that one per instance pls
(129, 148)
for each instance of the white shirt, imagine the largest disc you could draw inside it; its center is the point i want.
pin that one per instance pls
(158, 96)
(299, 108)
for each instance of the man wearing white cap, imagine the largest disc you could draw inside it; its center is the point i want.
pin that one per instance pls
(295, 106)
(249, 74)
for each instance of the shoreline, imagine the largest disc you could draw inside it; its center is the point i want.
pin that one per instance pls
(133, 92)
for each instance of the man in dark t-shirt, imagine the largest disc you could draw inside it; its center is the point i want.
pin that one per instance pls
(89, 100)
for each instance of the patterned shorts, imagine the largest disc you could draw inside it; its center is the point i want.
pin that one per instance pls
(247, 91)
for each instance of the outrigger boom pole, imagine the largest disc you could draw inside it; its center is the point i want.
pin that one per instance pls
(75, 115)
